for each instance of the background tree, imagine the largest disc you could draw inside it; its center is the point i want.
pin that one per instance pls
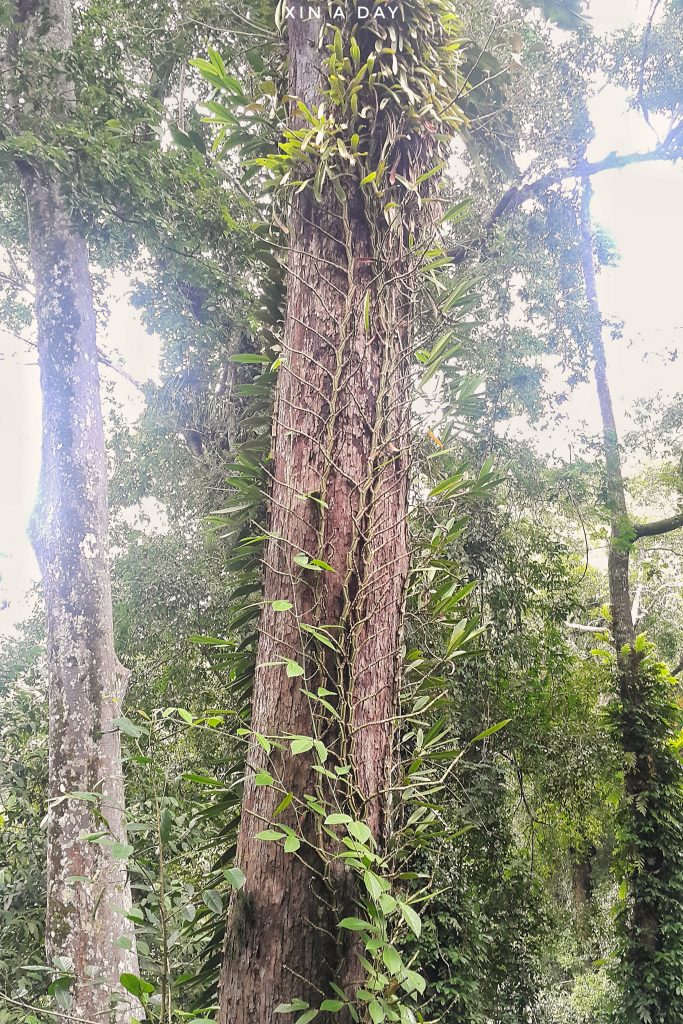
(88, 892)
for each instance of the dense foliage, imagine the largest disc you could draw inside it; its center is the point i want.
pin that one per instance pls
(535, 869)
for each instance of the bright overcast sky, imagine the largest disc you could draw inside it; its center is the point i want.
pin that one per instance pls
(641, 207)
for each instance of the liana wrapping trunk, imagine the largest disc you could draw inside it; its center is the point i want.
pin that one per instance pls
(336, 560)
(648, 721)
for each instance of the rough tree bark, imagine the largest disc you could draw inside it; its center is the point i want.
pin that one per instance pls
(88, 889)
(339, 493)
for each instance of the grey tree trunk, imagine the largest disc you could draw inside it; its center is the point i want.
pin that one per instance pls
(88, 887)
(647, 927)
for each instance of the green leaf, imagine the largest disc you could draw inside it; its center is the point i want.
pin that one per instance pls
(301, 745)
(377, 1014)
(354, 924)
(319, 635)
(212, 641)
(410, 918)
(306, 1017)
(318, 562)
(263, 779)
(294, 668)
(248, 357)
(281, 606)
(331, 1005)
(360, 831)
(372, 884)
(121, 851)
(61, 990)
(284, 804)
(297, 1004)
(338, 819)
(129, 728)
(292, 844)
(392, 961)
(269, 835)
(414, 982)
(234, 877)
(491, 730)
(213, 900)
(457, 212)
(136, 986)
(302, 560)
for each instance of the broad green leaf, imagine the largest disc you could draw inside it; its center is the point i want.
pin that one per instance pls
(213, 900)
(136, 986)
(392, 960)
(360, 831)
(372, 884)
(301, 745)
(235, 877)
(120, 851)
(338, 819)
(354, 924)
(410, 918)
(376, 1011)
(129, 728)
(319, 635)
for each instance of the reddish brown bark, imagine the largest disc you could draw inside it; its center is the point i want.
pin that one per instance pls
(339, 493)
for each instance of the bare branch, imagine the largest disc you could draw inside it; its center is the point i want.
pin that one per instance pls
(671, 148)
(660, 527)
(106, 361)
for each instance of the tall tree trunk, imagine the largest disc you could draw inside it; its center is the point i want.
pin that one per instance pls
(88, 888)
(645, 757)
(339, 494)
(622, 533)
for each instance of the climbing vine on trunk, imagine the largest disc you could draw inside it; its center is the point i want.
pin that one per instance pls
(371, 110)
(647, 721)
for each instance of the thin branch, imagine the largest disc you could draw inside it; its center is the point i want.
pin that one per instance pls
(671, 148)
(106, 361)
(585, 629)
(48, 1013)
(643, 61)
(660, 527)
